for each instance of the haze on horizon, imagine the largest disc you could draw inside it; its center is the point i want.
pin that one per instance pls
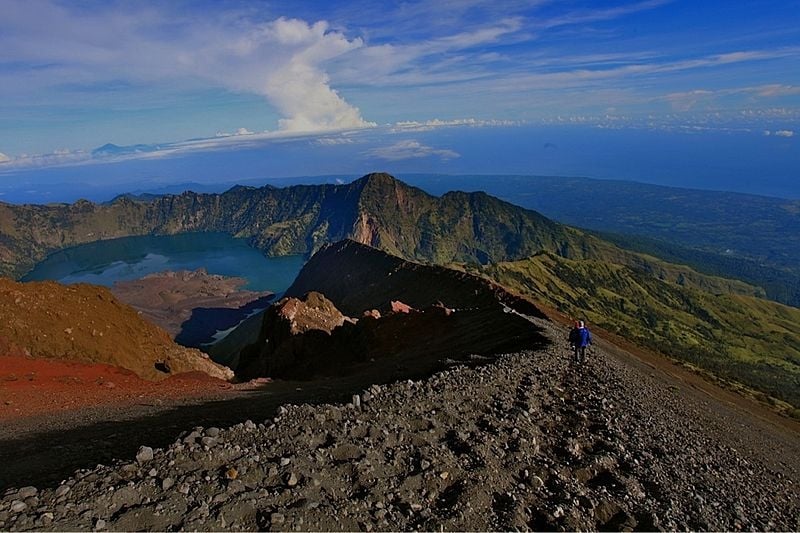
(693, 94)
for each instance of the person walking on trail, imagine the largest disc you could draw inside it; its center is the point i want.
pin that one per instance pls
(580, 338)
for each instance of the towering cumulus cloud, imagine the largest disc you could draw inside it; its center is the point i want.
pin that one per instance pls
(294, 81)
(282, 59)
(298, 87)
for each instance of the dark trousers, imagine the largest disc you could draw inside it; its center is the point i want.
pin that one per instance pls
(580, 354)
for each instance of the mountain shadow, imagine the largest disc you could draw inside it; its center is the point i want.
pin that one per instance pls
(205, 322)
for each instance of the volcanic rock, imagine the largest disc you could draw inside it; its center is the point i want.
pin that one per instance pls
(293, 330)
(307, 335)
(457, 451)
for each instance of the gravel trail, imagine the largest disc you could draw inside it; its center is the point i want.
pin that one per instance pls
(530, 441)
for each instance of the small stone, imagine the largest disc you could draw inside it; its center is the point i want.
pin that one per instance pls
(536, 482)
(100, 524)
(27, 492)
(356, 401)
(277, 518)
(191, 437)
(249, 425)
(17, 506)
(209, 442)
(144, 454)
(231, 473)
(291, 480)
(167, 483)
(444, 475)
(425, 464)
(61, 490)
(153, 472)
(285, 461)
(212, 432)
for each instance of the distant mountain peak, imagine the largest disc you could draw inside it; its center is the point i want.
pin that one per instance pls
(379, 181)
(377, 177)
(111, 149)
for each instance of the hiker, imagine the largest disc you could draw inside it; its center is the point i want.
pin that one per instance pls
(579, 339)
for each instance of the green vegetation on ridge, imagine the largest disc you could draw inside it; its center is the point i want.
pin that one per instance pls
(752, 238)
(717, 323)
(749, 340)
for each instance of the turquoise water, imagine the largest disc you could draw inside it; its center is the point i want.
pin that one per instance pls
(105, 262)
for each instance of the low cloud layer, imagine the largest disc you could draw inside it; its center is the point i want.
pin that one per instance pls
(410, 149)
(779, 133)
(4, 158)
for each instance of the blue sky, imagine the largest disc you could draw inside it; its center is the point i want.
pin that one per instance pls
(76, 75)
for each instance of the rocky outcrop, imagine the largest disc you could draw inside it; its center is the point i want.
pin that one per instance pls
(412, 317)
(294, 331)
(87, 323)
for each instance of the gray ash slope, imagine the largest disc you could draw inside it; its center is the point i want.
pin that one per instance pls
(528, 441)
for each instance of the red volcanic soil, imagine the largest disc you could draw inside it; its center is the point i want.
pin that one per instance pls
(31, 386)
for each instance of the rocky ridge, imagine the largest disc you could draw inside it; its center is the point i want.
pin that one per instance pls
(376, 209)
(403, 315)
(529, 441)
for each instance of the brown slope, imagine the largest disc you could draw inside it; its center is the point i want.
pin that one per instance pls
(87, 323)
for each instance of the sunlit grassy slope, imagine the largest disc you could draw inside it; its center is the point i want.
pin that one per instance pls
(747, 339)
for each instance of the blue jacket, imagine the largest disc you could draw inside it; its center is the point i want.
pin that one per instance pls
(580, 337)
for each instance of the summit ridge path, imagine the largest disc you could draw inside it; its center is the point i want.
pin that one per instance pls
(528, 441)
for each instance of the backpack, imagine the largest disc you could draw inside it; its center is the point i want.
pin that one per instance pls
(574, 336)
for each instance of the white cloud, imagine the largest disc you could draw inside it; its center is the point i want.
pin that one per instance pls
(779, 133)
(410, 149)
(333, 141)
(283, 60)
(427, 125)
(238, 132)
(684, 101)
(297, 85)
(59, 157)
(775, 89)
